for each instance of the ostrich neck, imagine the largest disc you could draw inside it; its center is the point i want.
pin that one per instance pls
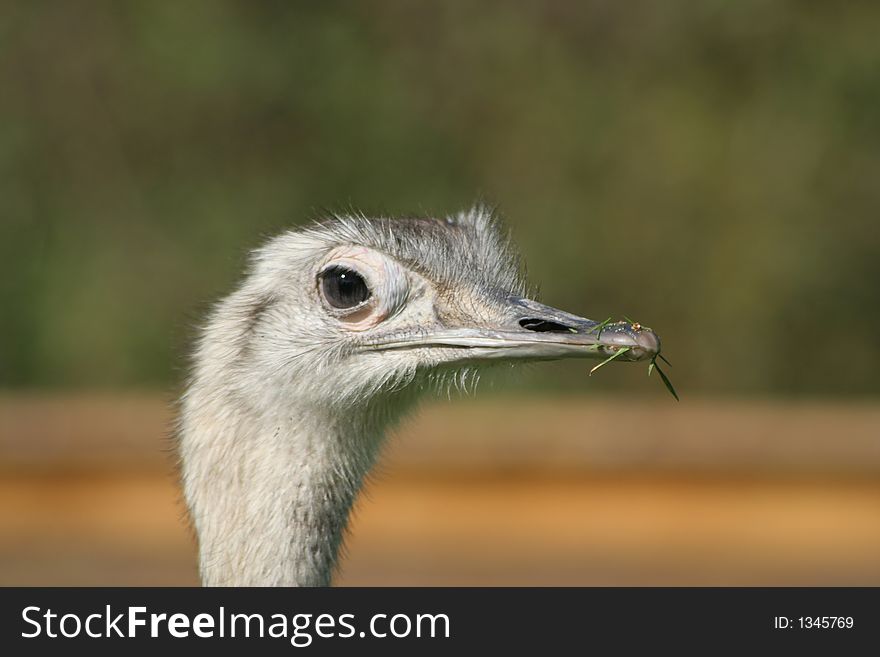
(270, 498)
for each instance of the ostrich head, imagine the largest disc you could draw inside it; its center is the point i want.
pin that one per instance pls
(333, 333)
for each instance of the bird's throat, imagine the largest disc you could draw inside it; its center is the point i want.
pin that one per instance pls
(270, 499)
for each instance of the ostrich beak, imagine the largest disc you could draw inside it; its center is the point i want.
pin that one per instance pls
(533, 331)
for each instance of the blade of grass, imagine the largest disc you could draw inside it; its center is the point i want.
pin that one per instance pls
(609, 359)
(598, 328)
(663, 358)
(667, 383)
(651, 366)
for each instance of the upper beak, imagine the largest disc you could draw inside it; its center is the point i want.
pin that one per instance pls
(534, 331)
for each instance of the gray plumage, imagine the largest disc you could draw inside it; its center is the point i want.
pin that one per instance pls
(334, 332)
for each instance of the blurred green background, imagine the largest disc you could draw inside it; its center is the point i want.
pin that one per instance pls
(710, 169)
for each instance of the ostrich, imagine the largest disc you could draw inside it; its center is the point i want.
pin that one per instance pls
(334, 333)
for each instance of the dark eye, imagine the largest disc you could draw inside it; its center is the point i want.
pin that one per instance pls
(343, 288)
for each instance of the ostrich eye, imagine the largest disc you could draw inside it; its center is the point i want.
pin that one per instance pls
(343, 288)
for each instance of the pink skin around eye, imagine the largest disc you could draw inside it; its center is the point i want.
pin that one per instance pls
(376, 272)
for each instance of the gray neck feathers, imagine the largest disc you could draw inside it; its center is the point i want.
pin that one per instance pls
(270, 496)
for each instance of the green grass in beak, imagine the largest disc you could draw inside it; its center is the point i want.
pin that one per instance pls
(610, 358)
(651, 366)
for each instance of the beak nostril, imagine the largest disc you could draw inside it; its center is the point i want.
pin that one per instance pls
(544, 326)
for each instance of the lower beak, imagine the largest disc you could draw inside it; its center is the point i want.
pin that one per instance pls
(538, 332)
